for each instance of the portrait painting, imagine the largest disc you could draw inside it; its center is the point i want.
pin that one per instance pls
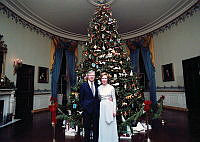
(43, 75)
(167, 72)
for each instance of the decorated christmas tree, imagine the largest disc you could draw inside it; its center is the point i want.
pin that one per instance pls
(105, 51)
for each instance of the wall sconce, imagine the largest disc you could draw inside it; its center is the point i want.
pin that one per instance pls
(2, 79)
(16, 65)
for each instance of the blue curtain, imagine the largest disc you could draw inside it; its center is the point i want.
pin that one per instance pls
(134, 55)
(150, 71)
(56, 71)
(70, 66)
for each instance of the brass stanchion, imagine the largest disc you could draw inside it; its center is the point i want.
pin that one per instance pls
(53, 109)
(54, 133)
(147, 123)
(147, 108)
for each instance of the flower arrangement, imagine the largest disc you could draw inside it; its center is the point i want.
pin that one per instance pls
(16, 65)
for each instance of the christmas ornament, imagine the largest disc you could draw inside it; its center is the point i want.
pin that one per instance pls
(90, 56)
(103, 47)
(103, 36)
(131, 74)
(74, 106)
(93, 64)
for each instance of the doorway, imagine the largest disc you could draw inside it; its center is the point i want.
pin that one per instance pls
(191, 73)
(24, 92)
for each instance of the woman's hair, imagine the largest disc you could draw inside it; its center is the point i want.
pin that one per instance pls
(105, 73)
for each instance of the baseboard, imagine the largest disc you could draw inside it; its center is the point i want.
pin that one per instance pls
(175, 108)
(11, 122)
(40, 110)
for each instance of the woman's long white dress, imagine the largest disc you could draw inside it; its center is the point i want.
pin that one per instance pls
(107, 122)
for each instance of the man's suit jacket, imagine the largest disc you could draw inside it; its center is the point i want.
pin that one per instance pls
(89, 103)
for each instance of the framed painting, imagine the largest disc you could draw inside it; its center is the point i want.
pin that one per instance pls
(43, 75)
(167, 72)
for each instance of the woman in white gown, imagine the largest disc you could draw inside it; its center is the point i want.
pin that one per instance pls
(107, 120)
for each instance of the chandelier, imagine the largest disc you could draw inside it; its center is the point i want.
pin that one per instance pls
(100, 2)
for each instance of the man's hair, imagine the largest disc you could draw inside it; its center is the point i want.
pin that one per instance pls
(86, 76)
(90, 71)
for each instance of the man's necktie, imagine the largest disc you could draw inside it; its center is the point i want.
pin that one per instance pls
(92, 88)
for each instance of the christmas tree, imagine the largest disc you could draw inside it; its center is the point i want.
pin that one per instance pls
(105, 51)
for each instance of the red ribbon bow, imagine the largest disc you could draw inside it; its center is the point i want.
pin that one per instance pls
(147, 105)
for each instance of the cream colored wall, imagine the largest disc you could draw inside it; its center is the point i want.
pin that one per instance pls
(32, 48)
(180, 43)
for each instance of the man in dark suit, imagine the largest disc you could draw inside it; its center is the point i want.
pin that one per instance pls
(90, 103)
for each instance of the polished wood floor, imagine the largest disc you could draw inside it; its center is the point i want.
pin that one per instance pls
(178, 128)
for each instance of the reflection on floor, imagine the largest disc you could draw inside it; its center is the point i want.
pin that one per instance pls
(9, 123)
(178, 128)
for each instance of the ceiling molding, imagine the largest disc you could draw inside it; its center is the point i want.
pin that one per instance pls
(172, 14)
(166, 18)
(22, 11)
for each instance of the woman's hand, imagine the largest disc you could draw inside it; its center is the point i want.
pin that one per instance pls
(114, 114)
(110, 99)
